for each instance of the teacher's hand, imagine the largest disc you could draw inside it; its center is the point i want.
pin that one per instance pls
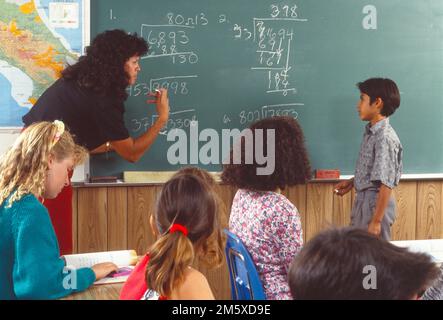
(162, 104)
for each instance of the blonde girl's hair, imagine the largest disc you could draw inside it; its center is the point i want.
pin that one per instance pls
(23, 168)
(188, 200)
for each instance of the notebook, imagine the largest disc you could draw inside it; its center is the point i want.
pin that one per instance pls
(124, 259)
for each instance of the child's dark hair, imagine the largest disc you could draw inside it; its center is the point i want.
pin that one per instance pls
(102, 68)
(291, 158)
(223, 214)
(187, 200)
(333, 266)
(386, 90)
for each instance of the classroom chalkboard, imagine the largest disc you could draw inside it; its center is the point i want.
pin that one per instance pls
(228, 63)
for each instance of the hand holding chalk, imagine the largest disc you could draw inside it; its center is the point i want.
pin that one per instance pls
(162, 104)
(157, 94)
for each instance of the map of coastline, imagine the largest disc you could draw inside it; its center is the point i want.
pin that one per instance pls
(32, 55)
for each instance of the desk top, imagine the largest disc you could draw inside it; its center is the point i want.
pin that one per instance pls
(433, 247)
(98, 292)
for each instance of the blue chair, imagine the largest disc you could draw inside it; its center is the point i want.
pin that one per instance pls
(245, 281)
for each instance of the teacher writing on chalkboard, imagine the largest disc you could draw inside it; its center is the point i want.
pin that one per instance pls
(89, 98)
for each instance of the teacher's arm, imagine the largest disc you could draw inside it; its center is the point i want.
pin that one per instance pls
(132, 149)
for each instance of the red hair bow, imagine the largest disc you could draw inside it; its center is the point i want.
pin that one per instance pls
(178, 227)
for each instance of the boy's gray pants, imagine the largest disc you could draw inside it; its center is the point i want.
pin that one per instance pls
(364, 208)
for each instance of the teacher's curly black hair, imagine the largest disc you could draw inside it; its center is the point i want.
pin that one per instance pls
(101, 69)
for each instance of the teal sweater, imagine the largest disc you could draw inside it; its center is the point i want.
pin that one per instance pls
(30, 266)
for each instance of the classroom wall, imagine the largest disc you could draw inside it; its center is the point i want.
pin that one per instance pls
(7, 139)
(113, 218)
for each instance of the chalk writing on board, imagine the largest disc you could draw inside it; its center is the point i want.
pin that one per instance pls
(177, 120)
(111, 15)
(273, 37)
(283, 11)
(222, 18)
(226, 119)
(274, 54)
(250, 116)
(176, 85)
(178, 19)
(171, 43)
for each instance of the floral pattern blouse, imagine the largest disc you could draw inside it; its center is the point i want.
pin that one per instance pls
(270, 227)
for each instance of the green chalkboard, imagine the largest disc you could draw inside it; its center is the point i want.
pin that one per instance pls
(228, 63)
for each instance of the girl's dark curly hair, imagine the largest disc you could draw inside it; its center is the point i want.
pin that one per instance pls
(291, 158)
(102, 68)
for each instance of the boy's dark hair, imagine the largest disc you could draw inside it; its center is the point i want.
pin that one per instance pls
(331, 266)
(385, 89)
(102, 68)
(291, 158)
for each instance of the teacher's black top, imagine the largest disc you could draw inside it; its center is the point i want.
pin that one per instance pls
(92, 119)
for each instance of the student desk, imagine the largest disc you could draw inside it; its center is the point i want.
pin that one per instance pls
(433, 247)
(98, 292)
(110, 291)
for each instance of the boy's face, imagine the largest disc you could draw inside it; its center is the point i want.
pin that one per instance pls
(367, 110)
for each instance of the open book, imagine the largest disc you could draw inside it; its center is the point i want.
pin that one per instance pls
(124, 259)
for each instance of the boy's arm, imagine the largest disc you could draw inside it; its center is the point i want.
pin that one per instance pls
(384, 195)
(344, 187)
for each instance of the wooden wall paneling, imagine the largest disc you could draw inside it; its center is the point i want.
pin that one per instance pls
(429, 206)
(342, 210)
(226, 194)
(74, 220)
(141, 203)
(404, 227)
(117, 218)
(92, 220)
(297, 196)
(319, 208)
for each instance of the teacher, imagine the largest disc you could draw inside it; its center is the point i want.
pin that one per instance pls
(89, 98)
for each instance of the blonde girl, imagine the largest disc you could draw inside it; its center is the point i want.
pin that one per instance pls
(36, 167)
